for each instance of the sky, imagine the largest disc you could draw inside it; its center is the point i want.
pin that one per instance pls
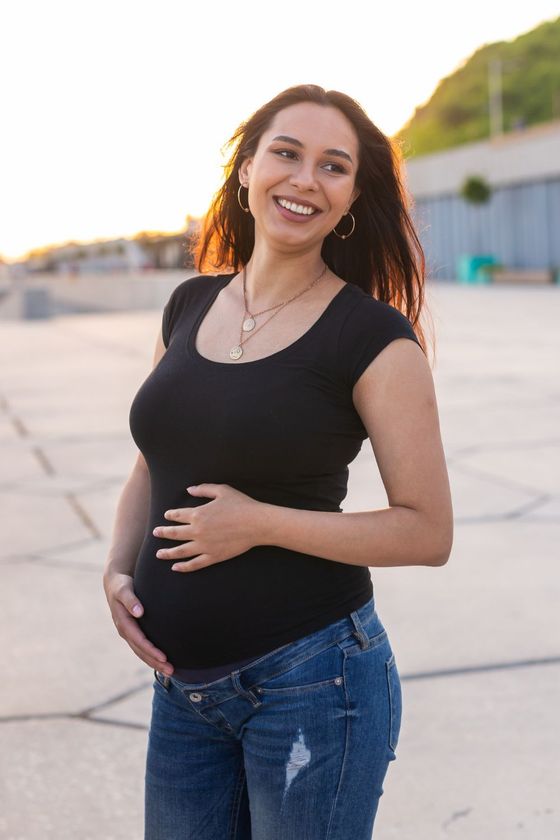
(114, 115)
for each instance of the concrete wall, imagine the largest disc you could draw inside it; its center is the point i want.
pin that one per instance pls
(527, 155)
(47, 295)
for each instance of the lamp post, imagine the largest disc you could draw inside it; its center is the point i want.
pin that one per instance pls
(496, 67)
(495, 97)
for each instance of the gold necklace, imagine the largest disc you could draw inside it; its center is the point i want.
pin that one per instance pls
(248, 324)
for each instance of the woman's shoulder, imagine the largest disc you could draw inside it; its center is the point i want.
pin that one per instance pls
(368, 310)
(182, 298)
(194, 284)
(369, 326)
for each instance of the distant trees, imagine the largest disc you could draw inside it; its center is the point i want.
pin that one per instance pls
(458, 111)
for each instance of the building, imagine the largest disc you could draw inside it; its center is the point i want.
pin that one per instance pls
(145, 251)
(519, 225)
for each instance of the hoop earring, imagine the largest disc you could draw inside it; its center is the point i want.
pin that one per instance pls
(246, 209)
(346, 235)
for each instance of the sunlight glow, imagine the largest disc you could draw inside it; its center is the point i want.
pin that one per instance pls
(114, 115)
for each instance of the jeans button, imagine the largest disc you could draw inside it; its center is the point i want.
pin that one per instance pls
(195, 697)
(338, 681)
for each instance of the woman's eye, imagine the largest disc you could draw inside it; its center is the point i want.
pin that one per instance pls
(284, 152)
(289, 154)
(339, 168)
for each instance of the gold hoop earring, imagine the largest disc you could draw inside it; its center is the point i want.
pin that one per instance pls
(346, 235)
(246, 209)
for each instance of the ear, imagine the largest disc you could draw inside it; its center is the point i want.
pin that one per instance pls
(245, 170)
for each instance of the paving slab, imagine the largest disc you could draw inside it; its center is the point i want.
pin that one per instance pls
(477, 763)
(72, 779)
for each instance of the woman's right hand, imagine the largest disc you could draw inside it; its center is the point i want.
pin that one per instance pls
(125, 609)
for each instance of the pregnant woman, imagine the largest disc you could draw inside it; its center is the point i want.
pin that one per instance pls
(233, 571)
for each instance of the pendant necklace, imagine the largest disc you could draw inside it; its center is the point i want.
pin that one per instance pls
(248, 324)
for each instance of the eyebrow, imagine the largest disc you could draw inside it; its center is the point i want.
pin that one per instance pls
(337, 152)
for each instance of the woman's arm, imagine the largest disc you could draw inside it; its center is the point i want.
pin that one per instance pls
(395, 398)
(128, 534)
(130, 521)
(132, 508)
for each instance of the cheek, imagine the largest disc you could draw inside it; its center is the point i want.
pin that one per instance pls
(342, 201)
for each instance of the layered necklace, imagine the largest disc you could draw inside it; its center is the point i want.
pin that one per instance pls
(249, 323)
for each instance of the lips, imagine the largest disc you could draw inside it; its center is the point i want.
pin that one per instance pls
(296, 200)
(296, 209)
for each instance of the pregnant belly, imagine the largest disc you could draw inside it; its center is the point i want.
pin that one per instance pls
(212, 615)
(244, 606)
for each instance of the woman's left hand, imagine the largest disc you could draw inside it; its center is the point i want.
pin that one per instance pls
(216, 531)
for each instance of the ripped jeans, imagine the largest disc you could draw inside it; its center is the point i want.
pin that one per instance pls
(294, 746)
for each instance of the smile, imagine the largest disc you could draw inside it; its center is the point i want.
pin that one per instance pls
(292, 209)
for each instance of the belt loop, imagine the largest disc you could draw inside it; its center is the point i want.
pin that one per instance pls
(243, 691)
(359, 632)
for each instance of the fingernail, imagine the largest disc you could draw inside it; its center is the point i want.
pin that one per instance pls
(136, 609)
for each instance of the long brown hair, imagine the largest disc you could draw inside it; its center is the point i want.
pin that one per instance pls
(383, 257)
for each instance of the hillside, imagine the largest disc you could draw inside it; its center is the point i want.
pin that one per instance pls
(458, 110)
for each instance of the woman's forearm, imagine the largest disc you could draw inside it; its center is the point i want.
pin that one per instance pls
(130, 522)
(394, 536)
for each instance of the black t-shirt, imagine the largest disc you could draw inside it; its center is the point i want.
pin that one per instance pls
(282, 429)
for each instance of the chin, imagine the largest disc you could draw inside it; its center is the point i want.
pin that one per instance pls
(297, 238)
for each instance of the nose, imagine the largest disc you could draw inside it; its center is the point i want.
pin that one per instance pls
(303, 177)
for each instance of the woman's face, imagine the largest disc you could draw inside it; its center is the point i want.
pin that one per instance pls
(307, 157)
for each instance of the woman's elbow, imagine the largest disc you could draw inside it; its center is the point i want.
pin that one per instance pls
(442, 552)
(437, 541)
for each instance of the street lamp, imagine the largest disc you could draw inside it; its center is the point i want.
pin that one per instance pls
(496, 66)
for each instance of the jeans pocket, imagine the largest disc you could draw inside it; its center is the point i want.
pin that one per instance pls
(395, 701)
(320, 670)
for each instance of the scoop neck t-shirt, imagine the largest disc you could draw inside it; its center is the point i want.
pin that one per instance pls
(282, 429)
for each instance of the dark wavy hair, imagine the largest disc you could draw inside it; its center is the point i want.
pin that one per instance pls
(383, 256)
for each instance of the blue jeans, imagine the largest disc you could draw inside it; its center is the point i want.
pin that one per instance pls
(294, 746)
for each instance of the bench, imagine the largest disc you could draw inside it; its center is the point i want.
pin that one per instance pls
(531, 276)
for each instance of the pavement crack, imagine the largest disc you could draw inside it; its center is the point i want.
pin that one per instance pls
(495, 478)
(477, 448)
(455, 816)
(43, 460)
(124, 695)
(122, 723)
(506, 517)
(476, 669)
(72, 716)
(19, 426)
(86, 714)
(84, 516)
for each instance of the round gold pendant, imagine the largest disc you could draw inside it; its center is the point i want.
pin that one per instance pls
(236, 352)
(248, 324)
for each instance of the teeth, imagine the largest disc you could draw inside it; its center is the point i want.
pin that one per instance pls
(296, 208)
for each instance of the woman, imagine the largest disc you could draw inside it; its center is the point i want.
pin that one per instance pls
(233, 571)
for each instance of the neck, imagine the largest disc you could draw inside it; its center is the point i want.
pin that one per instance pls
(271, 278)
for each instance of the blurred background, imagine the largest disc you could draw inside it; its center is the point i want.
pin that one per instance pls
(114, 124)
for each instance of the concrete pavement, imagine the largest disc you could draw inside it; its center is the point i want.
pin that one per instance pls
(477, 641)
